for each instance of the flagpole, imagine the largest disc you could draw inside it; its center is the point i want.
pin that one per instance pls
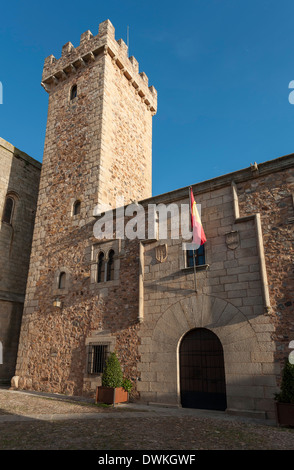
(194, 267)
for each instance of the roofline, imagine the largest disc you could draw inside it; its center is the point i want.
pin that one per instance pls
(19, 153)
(253, 172)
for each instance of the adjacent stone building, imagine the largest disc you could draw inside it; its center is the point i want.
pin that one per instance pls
(19, 182)
(210, 337)
(226, 342)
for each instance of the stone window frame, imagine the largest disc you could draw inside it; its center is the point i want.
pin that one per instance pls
(98, 338)
(62, 280)
(76, 217)
(76, 204)
(14, 197)
(183, 260)
(92, 358)
(73, 89)
(56, 289)
(110, 265)
(101, 258)
(105, 247)
(200, 252)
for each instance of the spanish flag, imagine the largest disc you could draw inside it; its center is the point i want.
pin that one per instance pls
(199, 237)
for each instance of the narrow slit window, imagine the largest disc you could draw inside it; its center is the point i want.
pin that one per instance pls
(8, 210)
(110, 266)
(73, 92)
(101, 268)
(61, 281)
(77, 208)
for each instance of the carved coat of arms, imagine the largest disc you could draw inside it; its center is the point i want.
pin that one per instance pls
(232, 240)
(161, 252)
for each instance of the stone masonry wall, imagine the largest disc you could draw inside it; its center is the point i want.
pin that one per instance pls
(117, 104)
(19, 178)
(83, 161)
(127, 133)
(231, 298)
(272, 197)
(52, 354)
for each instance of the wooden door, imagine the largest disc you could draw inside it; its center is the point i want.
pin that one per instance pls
(202, 371)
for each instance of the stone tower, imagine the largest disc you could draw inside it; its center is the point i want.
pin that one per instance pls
(99, 130)
(97, 148)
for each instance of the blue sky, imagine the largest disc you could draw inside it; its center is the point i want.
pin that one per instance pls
(221, 69)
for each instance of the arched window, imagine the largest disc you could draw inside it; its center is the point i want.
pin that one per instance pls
(73, 92)
(110, 266)
(8, 210)
(101, 267)
(77, 208)
(61, 281)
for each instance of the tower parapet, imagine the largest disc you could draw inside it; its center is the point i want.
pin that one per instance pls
(90, 49)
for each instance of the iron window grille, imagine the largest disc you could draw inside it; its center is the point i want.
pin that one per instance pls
(97, 355)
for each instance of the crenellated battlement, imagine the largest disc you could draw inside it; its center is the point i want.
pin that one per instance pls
(92, 48)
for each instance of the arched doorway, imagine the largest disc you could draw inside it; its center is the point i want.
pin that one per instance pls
(202, 371)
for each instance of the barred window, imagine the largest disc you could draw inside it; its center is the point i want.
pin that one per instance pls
(197, 255)
(97, 354)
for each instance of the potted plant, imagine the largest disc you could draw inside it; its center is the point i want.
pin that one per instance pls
(285, 399)
(114, 389)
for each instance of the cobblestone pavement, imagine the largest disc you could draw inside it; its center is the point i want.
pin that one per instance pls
(30, 421)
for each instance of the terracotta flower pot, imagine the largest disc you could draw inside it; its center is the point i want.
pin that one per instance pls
(111, 396)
